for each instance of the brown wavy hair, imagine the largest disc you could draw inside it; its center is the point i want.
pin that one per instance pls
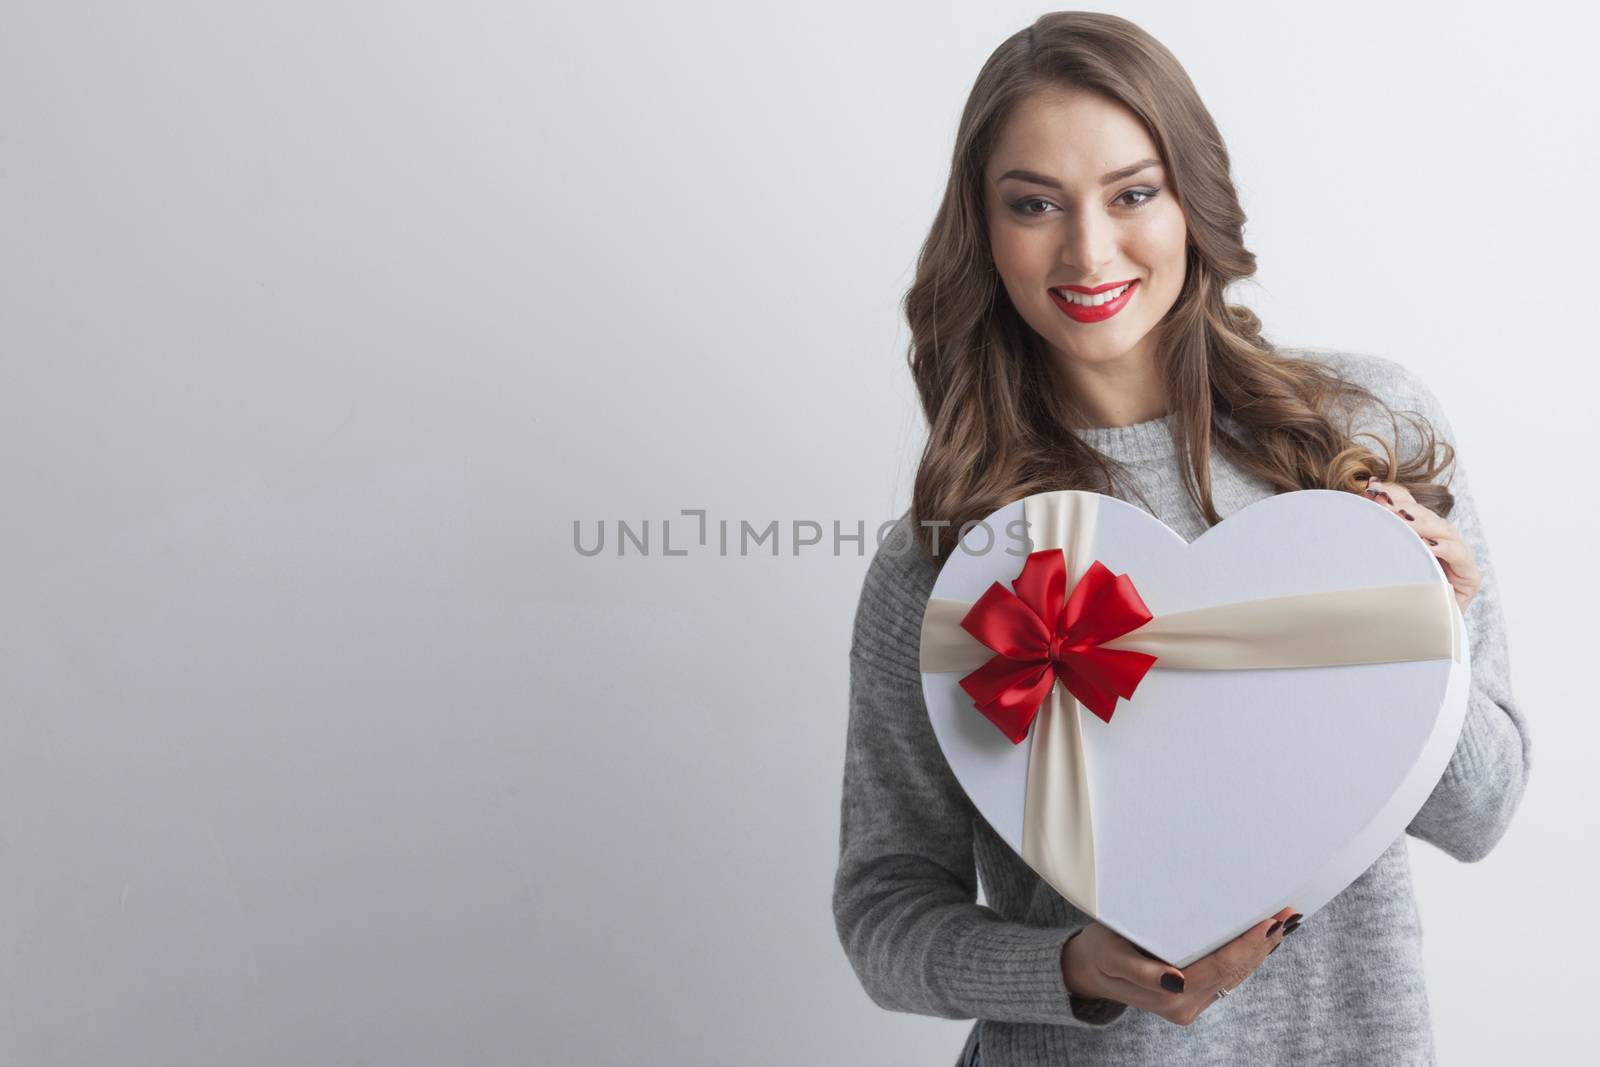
(998, 417)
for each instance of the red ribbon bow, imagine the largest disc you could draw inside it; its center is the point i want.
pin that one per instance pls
(1041, 634)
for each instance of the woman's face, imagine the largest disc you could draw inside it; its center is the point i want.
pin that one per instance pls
(1077, 197)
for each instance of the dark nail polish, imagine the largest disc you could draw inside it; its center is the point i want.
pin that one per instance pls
(1406, 515)
(1430, 540)
(1387, 499)
(1291, 928)
(1274, 927)
(1172, 983)
(1274, 948)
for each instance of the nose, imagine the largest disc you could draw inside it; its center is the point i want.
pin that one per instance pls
(1089, 244)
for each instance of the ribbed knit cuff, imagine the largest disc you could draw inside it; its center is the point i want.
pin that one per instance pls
(1011, 972)
(1481, 728)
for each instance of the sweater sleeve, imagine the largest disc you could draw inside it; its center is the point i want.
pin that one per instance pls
(1481, 788)
(904, 897)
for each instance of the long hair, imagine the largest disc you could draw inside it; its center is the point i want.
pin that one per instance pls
(999, 420)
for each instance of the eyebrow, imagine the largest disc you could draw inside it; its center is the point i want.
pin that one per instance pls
(1105, 179)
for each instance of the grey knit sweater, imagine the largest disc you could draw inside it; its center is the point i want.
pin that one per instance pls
(1346, 989)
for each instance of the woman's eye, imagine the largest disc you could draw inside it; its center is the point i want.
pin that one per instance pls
(1021, 206)
(1133, 198)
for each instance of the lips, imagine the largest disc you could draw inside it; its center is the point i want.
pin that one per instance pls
(1097, 313)
(1097, 289)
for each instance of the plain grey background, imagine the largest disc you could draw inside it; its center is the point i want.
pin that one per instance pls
(323, 322)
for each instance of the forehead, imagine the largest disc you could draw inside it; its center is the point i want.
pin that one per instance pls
(1072, 135)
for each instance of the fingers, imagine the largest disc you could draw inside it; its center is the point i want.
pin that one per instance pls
(1426, 523)
(1227, 967)
(1398, 499)
(1441, 536)
(1140, 969)
(1458, 558)
(1231, 964)
(1283, 928)
(1099, 962)
(1437, 532)
(1160, 1001)
(1133, 976)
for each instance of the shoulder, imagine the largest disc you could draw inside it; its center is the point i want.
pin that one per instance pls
(1390, 380)
(1395, 385)
(894, 596)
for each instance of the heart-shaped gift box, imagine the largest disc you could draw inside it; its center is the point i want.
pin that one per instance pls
(1183, 738)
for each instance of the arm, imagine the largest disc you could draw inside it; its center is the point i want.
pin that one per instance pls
(904, 898)
(1470, 808)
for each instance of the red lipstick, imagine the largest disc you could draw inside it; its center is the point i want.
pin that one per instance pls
(1099, 313)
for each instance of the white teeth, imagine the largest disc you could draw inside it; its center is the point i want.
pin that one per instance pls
(1087, 301)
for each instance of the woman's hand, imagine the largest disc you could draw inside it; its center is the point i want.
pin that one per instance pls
(1440, 535)
(1096, 962)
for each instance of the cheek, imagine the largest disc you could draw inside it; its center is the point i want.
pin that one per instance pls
(1170, 239)
(1018, 252)
(1160, 243)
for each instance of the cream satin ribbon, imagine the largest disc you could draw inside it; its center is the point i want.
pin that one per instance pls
(1380, 624)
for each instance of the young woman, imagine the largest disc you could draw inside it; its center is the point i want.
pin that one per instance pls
(1070, 331)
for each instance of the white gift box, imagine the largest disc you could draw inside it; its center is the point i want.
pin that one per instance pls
(1220, 791)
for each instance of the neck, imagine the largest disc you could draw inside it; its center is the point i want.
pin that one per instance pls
(1121, 392)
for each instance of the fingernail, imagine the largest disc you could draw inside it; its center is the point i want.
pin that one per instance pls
(1291, 928)
(1296, 917)
(1387, 499)
(1406, 515)
(1371, 492)
(1274, 948)
(1171, 982)
(1430, 540)
(1274, 927)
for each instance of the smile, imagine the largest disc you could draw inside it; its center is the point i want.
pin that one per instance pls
(1095, 307)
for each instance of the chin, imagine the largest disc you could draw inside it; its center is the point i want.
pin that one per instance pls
(1103, 350)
